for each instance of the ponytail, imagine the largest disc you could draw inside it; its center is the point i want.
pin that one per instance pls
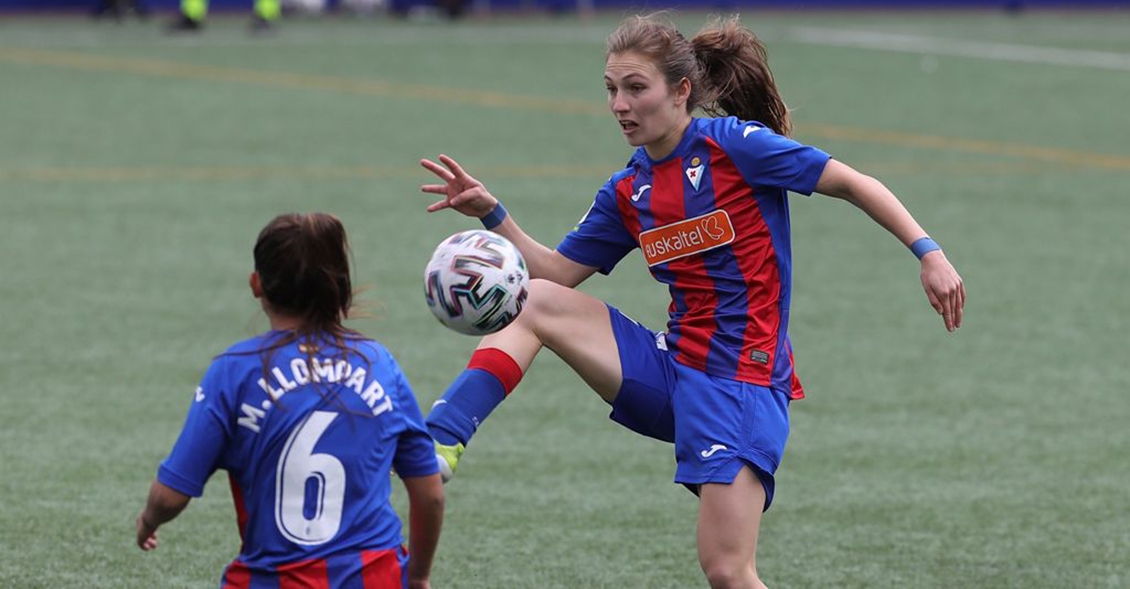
(303, 266)
(735, 72)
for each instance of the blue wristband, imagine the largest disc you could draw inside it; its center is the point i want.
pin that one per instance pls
(495, 217)
(924, 246)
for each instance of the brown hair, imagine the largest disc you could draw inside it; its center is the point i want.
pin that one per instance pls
(725, 63)
(303, 265)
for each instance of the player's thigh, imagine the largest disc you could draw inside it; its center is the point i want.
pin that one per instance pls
(729, 519)
(577, 327)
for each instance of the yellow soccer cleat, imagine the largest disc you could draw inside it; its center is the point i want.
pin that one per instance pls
(448, 457)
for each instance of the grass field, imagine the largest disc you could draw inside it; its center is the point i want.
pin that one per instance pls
(136, 169)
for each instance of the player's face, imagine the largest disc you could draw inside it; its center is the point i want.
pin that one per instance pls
(651, 113)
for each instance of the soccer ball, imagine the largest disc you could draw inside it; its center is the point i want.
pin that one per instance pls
(476, 282)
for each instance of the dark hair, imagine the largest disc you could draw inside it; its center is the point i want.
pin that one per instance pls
(725, 63)
(303, 266)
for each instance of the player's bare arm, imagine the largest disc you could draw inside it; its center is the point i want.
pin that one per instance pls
(943, 285)
(162, 506)
(425, 519)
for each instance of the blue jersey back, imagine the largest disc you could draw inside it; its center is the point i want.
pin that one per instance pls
(309, 437)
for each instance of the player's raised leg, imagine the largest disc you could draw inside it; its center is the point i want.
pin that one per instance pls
(729, 518)
(572, 324)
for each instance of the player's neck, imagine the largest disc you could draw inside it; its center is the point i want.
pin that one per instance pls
(281, 322)
(663, 146)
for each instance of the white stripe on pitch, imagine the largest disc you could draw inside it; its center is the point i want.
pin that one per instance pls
(962, 47)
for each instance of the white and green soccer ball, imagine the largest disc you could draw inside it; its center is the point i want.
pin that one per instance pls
(476, 282)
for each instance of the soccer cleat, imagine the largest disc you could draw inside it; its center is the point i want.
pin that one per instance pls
(184, 24)
(259, 25)
(448, 458)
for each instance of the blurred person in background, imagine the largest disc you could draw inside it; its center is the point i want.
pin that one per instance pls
(265, 13)
(119, 9)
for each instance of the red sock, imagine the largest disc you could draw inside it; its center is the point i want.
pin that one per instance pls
(499, 364)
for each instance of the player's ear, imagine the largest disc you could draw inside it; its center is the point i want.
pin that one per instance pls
(682, 92)
(256, 285)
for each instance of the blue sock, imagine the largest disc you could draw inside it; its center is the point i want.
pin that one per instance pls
(467, 402)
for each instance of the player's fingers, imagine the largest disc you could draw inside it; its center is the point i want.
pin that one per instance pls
(955, 304)
(934, 302)
(957, 309)
(434, 188)
(443, 173)
(948, 312)
(455, 167)
(148, 542)
(439, 205)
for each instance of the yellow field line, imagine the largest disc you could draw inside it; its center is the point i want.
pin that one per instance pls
(365, 87)
(324, 172)
(368, 87)
(136, 173)
(1029, 152)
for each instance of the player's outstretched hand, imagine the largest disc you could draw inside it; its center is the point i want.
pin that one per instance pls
(146, 534)
(944, 288)
(460, 191)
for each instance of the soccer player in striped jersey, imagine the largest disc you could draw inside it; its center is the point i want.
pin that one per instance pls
(705, 201)
(309, 420)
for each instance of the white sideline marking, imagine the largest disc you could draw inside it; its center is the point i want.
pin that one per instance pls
(961, 47)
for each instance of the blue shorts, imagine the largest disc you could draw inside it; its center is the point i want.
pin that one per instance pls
(718, 425)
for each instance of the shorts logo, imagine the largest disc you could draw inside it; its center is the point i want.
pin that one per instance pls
(713, 448)
(691, 236)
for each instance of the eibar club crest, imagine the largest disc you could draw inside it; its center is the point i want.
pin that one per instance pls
(694, 172)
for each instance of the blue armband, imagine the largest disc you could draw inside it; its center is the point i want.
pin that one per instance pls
(924, 246)
(495, 217)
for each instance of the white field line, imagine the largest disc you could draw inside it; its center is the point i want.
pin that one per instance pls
(920, 44)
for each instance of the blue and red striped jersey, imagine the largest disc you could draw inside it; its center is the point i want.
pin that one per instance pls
(712, 221)
(309, 434)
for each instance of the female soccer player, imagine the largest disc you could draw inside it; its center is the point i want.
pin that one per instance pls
(705, 200)
(308, 419)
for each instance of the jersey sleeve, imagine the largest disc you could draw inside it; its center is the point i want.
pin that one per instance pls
(207, 429)
(771, 160)
(600, 240)
(415, 451)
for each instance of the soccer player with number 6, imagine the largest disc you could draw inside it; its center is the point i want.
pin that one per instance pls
(309, 420)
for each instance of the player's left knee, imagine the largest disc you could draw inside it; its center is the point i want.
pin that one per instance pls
(728, 574)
